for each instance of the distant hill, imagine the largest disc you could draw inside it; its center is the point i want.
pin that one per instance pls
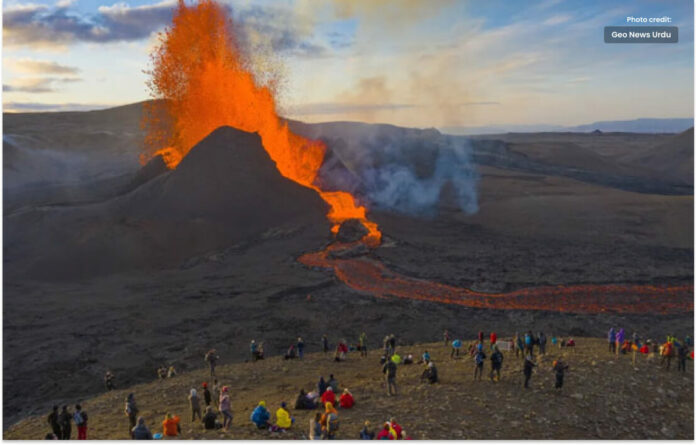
(643, 125)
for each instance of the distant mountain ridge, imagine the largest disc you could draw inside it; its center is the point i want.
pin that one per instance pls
(642, 125)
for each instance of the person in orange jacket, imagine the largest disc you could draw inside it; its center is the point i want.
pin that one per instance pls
(170, 425)
(346, 400)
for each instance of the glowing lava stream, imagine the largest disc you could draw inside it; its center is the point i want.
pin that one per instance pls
(370, 276)
(203, 76)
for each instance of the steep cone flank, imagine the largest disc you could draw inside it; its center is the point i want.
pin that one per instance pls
(225, 192)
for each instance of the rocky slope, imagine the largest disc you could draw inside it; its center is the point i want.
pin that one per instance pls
(604, 398)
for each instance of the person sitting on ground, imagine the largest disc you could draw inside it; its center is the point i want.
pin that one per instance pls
(329, 421)
(303, 401)
(396, 427)
(385, 433)
(405, 436)
(425, 358)
(206, 394)
(170, 425)
(321, 386)
(366, 433)
(291, 354)
(171, 372)
(210, 419)
(328, 396)
(346, 400)
(645, 349)
(570, 343)
(341, 350)
(333, 383)
(559, 368)
(456, 344)
(315, 427)
(162, 372)
(260, 416)
(283, 418)
(431, 373)
(140, 431)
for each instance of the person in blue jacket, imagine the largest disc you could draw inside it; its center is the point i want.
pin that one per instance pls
(455, 348)
(611, 337)
(260, 415)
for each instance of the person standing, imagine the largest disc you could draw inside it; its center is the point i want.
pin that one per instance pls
(225, 408)
(315, 427)
(620, 337)
(195, 405)
(496, 363)
(65, 420)
(528, 367)
(109, 381)
(559, 368)
(206, 395)
(363, 344)
(446, 337)
(300, 348)
(131, 411)
(54, 421)
(479, 357)
(212, 357)
(456, 345)
(542, 343)
(324, 343)
(611, 337)
(389, 370)
(682, 354)
(80, 418)
(253, 350)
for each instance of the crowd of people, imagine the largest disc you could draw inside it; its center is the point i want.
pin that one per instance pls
(213, 407)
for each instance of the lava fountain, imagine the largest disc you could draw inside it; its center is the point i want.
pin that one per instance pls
(201, 73)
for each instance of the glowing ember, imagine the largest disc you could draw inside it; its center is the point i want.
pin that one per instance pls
(200, 71)
(367, 275)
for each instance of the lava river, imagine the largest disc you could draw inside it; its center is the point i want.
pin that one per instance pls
(367, 275)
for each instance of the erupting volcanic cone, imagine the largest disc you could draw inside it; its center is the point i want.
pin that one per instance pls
(201, 72)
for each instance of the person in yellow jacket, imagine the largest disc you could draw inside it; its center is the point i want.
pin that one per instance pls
(283, 418)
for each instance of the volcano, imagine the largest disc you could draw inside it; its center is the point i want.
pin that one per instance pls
(227, 190)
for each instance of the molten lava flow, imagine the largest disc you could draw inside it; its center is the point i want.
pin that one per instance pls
(200, 72)
(367, 275)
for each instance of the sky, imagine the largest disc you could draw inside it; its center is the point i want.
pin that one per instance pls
(418, 63)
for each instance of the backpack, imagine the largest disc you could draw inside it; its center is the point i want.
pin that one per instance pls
(77, 417)
(332, 423)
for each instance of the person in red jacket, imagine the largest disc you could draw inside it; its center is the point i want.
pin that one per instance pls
(396, 427)
(328, 396)
(644, 349)
(346, 400)
(494, 338)
(384, 433)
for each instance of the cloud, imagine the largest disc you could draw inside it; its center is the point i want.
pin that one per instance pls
(19, 107)
(32, 66)
(557, 19)
(56, 27)
(36, 85)
(341, 108)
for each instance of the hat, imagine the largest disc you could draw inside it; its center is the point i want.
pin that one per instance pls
(205, 385)
(262, 403)
(225, 388)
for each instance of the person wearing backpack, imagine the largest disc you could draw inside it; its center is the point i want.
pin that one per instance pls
(479, 357)
(80, 419)
(389, 370)
(496, 363)
(329, 422)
